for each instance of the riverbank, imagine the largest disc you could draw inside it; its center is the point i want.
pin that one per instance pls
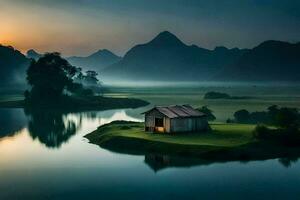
(226, 142)
(79, 103)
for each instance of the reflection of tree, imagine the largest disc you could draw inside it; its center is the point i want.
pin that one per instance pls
(158, 162)
(287, 162)
(161, 161)
(51, 128)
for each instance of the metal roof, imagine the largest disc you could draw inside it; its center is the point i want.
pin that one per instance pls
(178, 111)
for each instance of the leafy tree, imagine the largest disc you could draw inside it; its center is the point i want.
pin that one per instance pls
(49, 76)
(242, 116)
(208, 112)
(259, 117)
(272, 112)
(91, 78)
(287, 117)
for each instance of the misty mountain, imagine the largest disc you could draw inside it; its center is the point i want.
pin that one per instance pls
(33, 54)
(97, 61)
(13, 66)
(269, 61)
(168, 58)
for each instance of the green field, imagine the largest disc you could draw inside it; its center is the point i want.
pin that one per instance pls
(261, 97)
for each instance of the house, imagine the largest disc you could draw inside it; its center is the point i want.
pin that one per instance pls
(172, 119)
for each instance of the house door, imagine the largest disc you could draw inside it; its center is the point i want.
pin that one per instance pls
(159, 125)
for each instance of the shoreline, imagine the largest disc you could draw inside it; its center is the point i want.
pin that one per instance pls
(80, 104)
(128, 138)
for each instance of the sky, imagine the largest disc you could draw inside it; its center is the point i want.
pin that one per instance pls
(81, 27)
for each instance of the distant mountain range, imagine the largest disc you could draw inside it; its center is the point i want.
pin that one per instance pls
(269, 61)
(167, 58)
(97, 61)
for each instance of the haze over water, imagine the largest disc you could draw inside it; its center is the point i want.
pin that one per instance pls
(39, 162)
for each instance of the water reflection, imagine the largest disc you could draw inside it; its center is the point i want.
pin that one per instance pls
(11, 122)
(288, 161)
(54, 128)
(51, 128)
(159, 162)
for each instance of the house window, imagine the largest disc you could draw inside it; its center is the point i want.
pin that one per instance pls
(159, 122)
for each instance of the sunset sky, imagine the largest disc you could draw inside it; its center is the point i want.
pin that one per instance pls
(83, 26)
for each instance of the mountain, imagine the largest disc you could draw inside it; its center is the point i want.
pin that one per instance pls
(33, 54)
(13, 66)
(97, 61)
(167, 58)
(269, 61)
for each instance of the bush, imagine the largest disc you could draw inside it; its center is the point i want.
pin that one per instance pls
(287, 136)
(262, 132)
(209, 113)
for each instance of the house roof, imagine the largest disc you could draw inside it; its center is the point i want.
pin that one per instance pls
(177, 111)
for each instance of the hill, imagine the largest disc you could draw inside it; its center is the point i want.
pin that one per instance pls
(269, 61)
(96, 61)
(33, 54)
(13, 65)
(167, 58)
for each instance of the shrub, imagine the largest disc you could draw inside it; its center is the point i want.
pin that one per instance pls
(209, 113)
(262, 132)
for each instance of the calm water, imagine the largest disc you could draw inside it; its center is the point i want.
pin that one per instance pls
(44, 156)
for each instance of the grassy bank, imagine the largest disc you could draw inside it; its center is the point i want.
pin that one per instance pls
(225, 142)
(78, 103)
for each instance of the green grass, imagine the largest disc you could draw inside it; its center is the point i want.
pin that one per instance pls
(222, 135)
(225, 142)
(130, 137)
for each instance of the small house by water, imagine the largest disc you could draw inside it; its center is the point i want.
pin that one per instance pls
(172, 119)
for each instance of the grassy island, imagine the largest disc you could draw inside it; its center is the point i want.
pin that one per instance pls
(225, 142)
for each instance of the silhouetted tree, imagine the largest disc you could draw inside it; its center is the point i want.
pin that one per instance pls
(209, 113)
(242, 116)
(49, 76)
(287, 117)
(91, 78)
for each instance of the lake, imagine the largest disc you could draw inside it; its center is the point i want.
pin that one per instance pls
(44, 155)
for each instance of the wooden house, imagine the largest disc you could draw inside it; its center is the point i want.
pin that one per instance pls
(172, 119)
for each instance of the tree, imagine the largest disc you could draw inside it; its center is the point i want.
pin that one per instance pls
(272, 112)
(49, 76)
(209, 113)
(242, 116)
(91, 78)
(287, 117)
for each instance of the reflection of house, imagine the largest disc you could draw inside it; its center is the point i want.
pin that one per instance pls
(171, 119)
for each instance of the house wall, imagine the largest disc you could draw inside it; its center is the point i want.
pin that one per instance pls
(150, 121)
(188, 124)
